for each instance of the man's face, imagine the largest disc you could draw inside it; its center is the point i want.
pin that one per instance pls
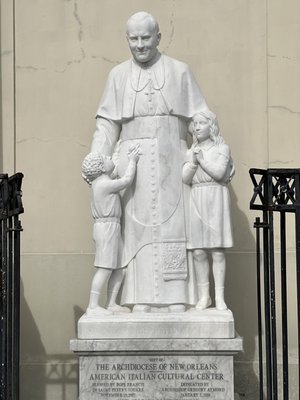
(143, 40)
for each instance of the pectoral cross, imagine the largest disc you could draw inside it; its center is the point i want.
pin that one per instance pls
(150, 91)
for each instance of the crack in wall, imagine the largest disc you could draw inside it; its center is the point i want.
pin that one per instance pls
(80, 37)
(278, 107)
(280, 56)
(31, 67)
(113, 62)
(281, 162)
(38, 139)
(78, 20)
(71, 62)
(172, 32)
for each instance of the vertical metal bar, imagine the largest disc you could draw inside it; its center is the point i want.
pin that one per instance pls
(267, 308)
(5, 293)
(16, 320)
(284, 310)
(9, 306)
(273, 309)
(297, 217)
(2, 316)
(259, 316)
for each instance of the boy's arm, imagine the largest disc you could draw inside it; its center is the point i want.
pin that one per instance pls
(116, 185)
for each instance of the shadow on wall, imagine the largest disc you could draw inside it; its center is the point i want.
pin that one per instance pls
(242, 299)
(78, 313)
(33, 355)
(43, 376)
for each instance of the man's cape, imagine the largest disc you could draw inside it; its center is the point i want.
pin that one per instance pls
(180, 90)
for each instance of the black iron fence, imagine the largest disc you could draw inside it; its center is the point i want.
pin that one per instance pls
(10, 227)
(276, 193)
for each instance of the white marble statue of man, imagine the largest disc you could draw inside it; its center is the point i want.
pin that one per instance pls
(149, 100)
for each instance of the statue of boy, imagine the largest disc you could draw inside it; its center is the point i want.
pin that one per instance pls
(149, 99)
(107, 211)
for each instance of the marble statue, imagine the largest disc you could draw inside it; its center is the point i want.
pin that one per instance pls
(208, 170)
(107, 211)
(161, 211)
(150, 100)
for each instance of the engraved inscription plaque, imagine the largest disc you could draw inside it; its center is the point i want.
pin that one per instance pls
(148, 377)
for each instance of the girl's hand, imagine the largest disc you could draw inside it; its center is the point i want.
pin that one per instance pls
(195, 160)
(200, 156)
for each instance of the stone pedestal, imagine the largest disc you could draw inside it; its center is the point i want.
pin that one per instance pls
(208, 323)
(165, 360)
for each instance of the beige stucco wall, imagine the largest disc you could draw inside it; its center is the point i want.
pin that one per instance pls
(55, 57)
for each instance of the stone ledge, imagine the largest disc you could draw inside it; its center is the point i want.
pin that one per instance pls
(203, 346)
(209, 323)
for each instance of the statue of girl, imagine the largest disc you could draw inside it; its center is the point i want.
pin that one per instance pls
(208, 171)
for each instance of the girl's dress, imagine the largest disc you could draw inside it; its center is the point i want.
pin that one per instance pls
(208, 222)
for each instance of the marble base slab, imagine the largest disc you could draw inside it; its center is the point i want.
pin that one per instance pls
(156, 368)
(209, 323)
